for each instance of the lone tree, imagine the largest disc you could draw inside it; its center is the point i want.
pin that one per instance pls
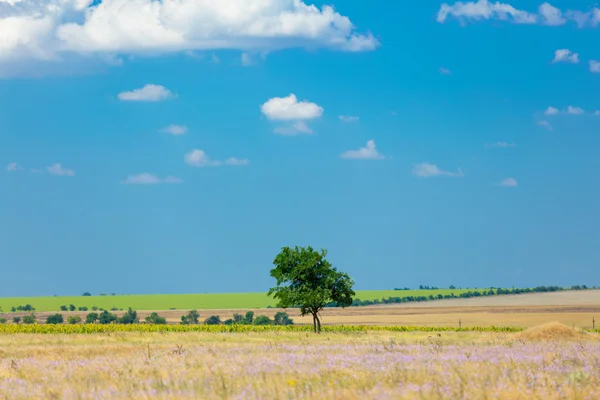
(305, 279)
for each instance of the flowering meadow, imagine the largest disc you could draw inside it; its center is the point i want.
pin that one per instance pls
(298, 365)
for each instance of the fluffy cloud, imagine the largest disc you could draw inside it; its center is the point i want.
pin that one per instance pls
(427, 170)
(348, 118)
(486, 10)
(52, 29)
(289, 108)
(595, 66)
(508, 182)
(297, 128)
(501, 144)
(565, 55)
(574, 110)
(198, 158)
(13, 166)
(551, 111)
(369, 152)
(175, 130)
(149, 92)
(445, 71)
(146, 178)
(58, 169)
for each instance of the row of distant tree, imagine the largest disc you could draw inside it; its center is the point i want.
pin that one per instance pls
(464, 295)
(131, 317)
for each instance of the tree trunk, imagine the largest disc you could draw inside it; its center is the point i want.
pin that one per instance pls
(315, 322)
(319, 325)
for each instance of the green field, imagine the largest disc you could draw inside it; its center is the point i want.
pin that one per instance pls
(188, 301)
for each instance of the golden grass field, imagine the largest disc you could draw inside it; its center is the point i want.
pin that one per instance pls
(555, 362)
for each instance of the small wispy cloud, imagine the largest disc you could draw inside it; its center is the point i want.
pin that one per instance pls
(348, 118)
(247, 60)
(427, 170)
(175, 130)
(508, 182)
(565, 55)
(13, 167)
(369, 152)
(445, 71)
(199, 158)
(149, 92)
(595, 66)
(501, 144)
(58, 169)
(571, 110)
(545, 124)
(297, 128)
(146, 178)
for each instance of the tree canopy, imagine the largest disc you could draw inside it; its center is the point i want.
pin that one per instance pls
(305, 279)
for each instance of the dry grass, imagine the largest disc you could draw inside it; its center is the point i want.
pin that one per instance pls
(552, 331)
(297, 366)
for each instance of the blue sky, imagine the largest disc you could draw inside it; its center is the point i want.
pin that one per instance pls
(159, 149)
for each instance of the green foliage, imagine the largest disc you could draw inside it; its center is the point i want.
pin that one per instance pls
(55, 319)
(282, 318)
(63, 308)
(72, 307)
(82, 308)
(228, 322)
(107, 318)
(212, 320)
(191, 318)
(26, 307)
(237, 318)
(74, 319)
(307, 280)
(263, 320)
(154, 318)
(249, 318)
(91, 318)
(29, 319)
(3, 320)
(130, 317)
(86, 294)
(16, 320)
(94, 308)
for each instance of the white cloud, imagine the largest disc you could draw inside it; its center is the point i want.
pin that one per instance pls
(445, 71)
(289, 108)
(545, 124)
(247, 60)
(13, 166)
(565, 55)
(595, 66)
(149, 92)
(546, 14)
(551, 15)
(509, 182)
(236, 161)
(297, 128)
(175, 130)
(199, 158)
(348, 118)
(574, 110)
(501, 144)
(146, 178)
(55, 29)
(427, 170)
(369, 152)
(58, 169)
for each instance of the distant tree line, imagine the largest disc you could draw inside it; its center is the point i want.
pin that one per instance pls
(465, 295)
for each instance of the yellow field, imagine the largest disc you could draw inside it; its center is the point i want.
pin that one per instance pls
(297, 365)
